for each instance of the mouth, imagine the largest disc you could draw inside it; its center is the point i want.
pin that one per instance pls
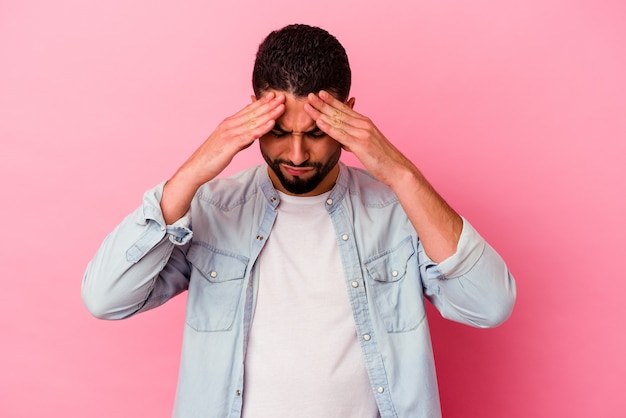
(297, 171)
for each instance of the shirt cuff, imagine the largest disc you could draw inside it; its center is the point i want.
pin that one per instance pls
(179, 232)
(469, 249)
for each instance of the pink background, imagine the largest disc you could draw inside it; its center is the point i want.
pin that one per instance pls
(515, 111)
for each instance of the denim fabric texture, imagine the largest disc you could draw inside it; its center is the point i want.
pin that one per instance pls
(211, 254)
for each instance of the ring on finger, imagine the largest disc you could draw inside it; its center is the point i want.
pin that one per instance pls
(337, 122)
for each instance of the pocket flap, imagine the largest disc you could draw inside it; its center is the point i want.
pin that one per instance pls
(215, 265)
(392, 265)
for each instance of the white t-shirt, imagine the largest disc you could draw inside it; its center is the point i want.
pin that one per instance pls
(303, 358)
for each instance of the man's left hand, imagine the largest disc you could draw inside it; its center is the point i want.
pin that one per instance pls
(358, 134)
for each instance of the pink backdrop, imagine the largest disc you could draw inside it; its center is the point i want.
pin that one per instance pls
(515, 110)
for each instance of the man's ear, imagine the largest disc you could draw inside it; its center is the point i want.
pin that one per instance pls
(253, 97)
(350, 102)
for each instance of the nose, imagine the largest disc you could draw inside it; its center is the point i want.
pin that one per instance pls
(297, 152)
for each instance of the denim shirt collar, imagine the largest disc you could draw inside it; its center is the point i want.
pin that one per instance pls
(337, 193)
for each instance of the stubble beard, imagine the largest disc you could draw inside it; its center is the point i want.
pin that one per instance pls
(298, 186)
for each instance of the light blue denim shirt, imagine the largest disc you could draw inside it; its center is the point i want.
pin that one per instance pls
(145, 262)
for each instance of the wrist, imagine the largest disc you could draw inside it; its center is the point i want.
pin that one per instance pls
(405, 178)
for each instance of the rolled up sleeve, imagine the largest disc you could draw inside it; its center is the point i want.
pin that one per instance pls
(473, 286)
(140, 264)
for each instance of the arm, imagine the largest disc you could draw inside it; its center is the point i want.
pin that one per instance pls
(233, 135)
(142, 263)
(463, 276)
(473, 286)
(438, 226)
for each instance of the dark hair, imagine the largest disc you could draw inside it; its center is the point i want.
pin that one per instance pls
(301, 59)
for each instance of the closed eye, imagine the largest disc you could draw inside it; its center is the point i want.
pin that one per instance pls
(317, 133)
(278, 133)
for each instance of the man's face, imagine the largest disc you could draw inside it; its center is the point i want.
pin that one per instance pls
(302, 159)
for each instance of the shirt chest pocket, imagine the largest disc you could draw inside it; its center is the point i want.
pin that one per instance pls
(395, 285)
(215, 288)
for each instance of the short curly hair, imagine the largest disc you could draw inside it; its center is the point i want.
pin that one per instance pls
(301, 59)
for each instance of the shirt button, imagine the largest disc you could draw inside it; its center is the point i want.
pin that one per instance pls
(355, 284)
(394, 273)
(367, 337)
(345, 237)
(163, 228)
(329, 201)
(214, 274)
(380, 389)
(238, 392)
(273, 199)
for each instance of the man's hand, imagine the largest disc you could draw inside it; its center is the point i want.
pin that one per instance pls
(358, 134)
(233, 135)
(437, 224)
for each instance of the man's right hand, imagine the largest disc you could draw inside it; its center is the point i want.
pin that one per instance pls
(233, 135)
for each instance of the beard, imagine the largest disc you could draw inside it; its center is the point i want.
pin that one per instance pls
(302, 186)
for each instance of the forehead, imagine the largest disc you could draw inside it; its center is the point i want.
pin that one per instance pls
(295, 118)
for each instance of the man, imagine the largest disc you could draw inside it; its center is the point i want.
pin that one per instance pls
(305, 277)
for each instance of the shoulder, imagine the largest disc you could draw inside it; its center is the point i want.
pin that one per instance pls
(366, 188)
(232, 191)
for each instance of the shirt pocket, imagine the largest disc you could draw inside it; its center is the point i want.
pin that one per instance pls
(395, 285)
(215, 288)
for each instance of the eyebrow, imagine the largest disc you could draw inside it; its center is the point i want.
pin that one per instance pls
(279, 128)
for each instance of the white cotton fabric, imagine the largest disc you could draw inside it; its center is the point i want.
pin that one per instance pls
(303, 358)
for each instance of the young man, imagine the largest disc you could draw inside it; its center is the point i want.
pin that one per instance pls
(306, 278)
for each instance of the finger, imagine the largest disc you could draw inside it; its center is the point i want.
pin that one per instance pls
(254, 128)
(261, 115)
(258, 114)
(258, 107)
(312, 111)
(333, 111)
(336, 122)
(272, 108)
(338, 130)
(328, 104)
(317, 110)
